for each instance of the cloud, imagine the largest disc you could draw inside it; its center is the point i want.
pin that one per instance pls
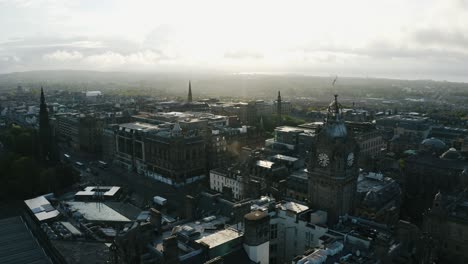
(441, 38)
(107, 59)
(243, 54)
(396, 36)
(12, 59)
(63, 55)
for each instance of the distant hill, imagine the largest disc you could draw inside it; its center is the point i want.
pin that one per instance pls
(235, 85)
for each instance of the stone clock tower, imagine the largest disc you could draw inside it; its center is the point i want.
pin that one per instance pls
(332, 166)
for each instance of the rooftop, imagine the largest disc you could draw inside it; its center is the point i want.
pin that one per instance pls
(76, 252)
(284, 157)
(102, 190)
(293, 207)
(138, 126)
(41, 208)
(97, 212)
(220, 237)
(255, 215)
(18, 245)
(265, 163)
(302, 173)
(290, 129)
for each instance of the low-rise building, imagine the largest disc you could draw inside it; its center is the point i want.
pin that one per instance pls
(228, 181)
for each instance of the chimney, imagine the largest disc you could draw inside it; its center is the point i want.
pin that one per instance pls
(170, 250)
(189, 206)
(156, 219)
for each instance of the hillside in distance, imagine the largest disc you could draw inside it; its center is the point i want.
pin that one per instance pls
(234, 85)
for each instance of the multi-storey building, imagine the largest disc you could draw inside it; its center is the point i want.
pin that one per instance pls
(446, 224)
(451, 136)
(291, 139)
(417, 126)
(378, 198)
(286, 107)
(370, 140)
(108, 142)
(426, 173)
(263, 108)
(228, 180)
(163, 152)
(297, 185)
(66, 128)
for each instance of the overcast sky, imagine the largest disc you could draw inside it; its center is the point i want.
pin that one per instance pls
(397, 38)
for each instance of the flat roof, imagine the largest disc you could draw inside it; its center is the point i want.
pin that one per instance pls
(93, 190)
(220, 237)
(71, 228)
(138, 126)
(94, 212)
(284, 157)
(294, 207)
(265, 163)
(302, 173)
(290, 129)
(41, 208)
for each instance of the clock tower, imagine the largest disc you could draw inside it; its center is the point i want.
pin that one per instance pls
(332, 166)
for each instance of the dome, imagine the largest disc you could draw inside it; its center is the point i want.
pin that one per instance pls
(371, 199)
(335, 126)
(434, 143)
(451, 154)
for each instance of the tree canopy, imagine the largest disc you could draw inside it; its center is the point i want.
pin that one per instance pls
(22, 172)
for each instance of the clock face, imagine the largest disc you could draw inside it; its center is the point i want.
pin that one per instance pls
(350, 159)
(323, 159)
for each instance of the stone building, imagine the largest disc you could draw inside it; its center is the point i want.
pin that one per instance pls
(370, 140)
(228, 181)
(426, 173)
(378, 198)
(332, 167)
(446, 223)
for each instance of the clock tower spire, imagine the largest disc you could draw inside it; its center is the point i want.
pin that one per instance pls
(332, 166)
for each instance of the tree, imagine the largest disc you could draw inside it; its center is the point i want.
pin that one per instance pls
(25, 174)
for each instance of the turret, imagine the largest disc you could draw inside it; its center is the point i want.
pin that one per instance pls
(257, 236)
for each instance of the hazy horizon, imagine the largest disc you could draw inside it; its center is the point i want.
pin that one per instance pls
(385, 39)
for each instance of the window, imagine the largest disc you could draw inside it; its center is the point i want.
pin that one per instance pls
(273, 248)
(273, 231)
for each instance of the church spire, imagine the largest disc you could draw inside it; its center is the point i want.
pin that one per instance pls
(44, 129)
(42, 97)
(189, 97)
(43, 113)
(278, 108)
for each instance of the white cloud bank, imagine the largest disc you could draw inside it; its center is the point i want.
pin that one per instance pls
(397, 38)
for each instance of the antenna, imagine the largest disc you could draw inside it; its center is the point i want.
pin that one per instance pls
(333, 84)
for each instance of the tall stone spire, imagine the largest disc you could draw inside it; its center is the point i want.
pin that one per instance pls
(46, 143)
(189, 97)
(44, 127)
(278, 108)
